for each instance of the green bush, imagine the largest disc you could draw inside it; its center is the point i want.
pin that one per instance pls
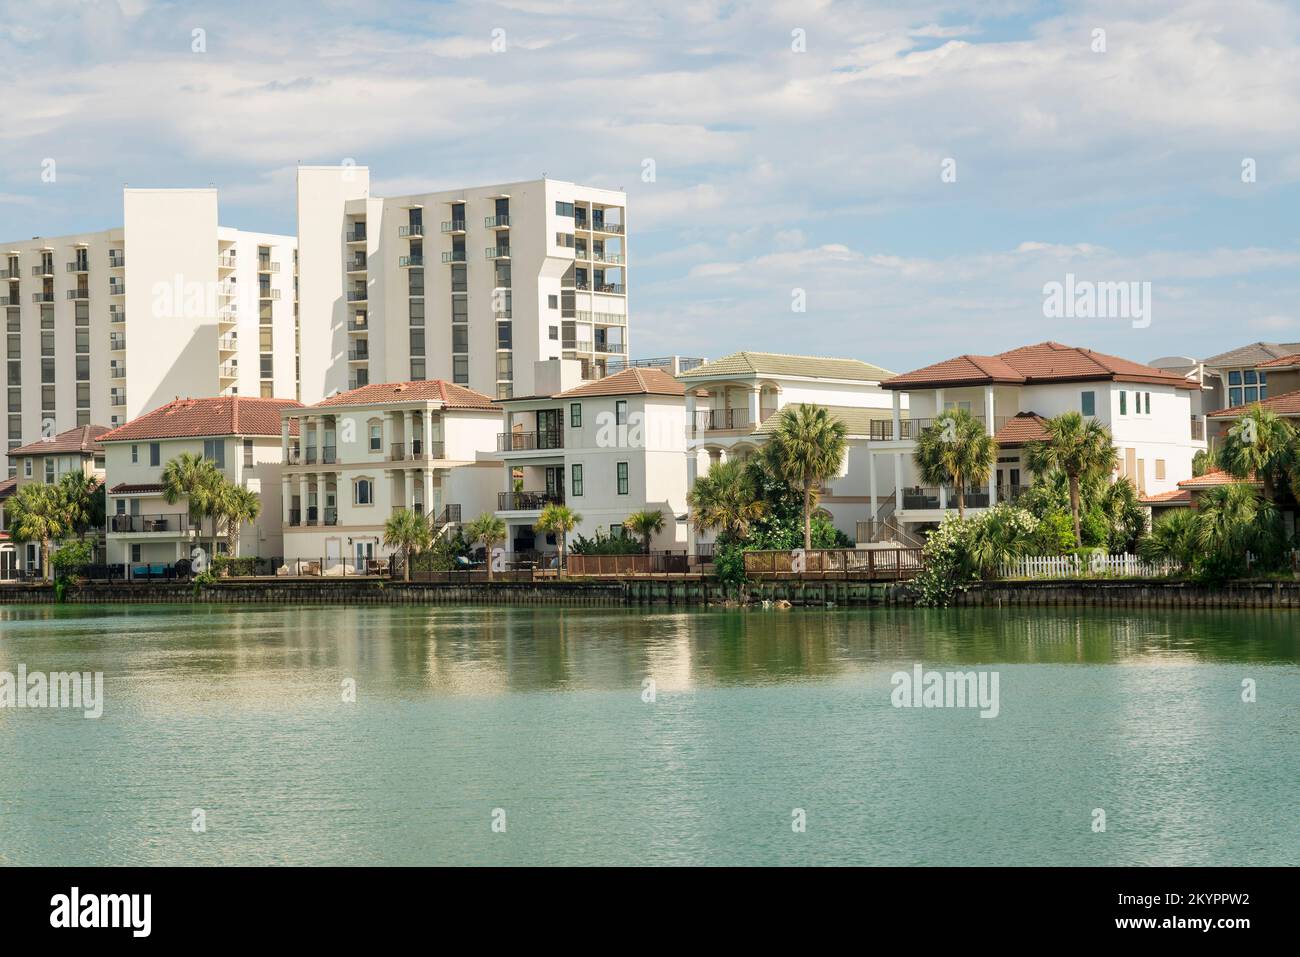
(241, 567)
(729, 563)
(603, 544)
(71, 557)
(1055, 534)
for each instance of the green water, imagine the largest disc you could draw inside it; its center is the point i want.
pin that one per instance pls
(539, 712)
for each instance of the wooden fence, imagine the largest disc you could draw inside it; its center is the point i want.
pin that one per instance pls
(656, 563)
(1074, 566)
(891, 564)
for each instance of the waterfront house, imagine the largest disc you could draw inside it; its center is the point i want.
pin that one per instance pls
(607, 448)
(354, 458)
(240, 435)
(8, 550)
(1251, 373)
(732, 407)
(1147, 410)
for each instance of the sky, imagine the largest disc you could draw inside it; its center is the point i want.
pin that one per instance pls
(895, 182)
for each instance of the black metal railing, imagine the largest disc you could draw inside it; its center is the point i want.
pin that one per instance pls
(527, 501)
(176, 522)
(714, 420)
(530, 441)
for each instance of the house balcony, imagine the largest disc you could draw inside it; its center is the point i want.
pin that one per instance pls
(909, 430)
(177, 523)
(78, 293)
(411, 230)
(454, 226)
(79, 267)
(406, 262)
(530, 441)
(226, 261)
(355, 235)
(497, 252)
(497, 222)
(527, 501)
(454, 256)
(721, 420)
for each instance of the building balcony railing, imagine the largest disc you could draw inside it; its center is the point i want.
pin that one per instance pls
(497, 222)
(355, 235)
(117, 289)
(79, 266)
(530, 441)
(359, 355)
(719, 420)
(265, 292)
(882, 430)
(117, 261)
(117, 372)
(454, 226)
(177, 522)
(412, 229)
(454, 256)
(293, 456)
(78, 293)
(331, 516)
(226, 261)
(357, 263)
(927, 498)
(527, 501)
(117, 399)
(616, 288)
(497, 252)
(356, 295)
(116, 343)
(267, 265)
(228, 342)
(10, 274)
(598, 226)
(42, 297)
(45, 269)
(408, 261)
(295, 516)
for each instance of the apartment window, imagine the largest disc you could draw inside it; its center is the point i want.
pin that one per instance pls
(620, 412)
(418, 371)
(248, 453)
(1088, 403)
(459, 309)
(460, 370)
(135, 454)
(215, 451)
(459, 283)
(564, 240)
(155, 454)
(47, 370)
(1160, 469)
(376, 438)
(460, 338)
(362, 492)
(575, 486)
(622, 478)
(417, 312)
(503, 275)
(563, 209)
(505, 367)
(417, 342)
(1123, 403)
(504, 335)
(1234, 397)
(575, 415)
(554, 332)
(552, 302)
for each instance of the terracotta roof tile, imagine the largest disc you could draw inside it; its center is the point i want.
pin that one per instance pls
(7, 488)
(778, 364)
(451, 396)
(1288, 403)
(1172, 497)
(1216, 477)
(635, 381)
(1021, 428)
(190, 418)
(1293, 359)
(1029, 365)
(84, 438)
(127, 488)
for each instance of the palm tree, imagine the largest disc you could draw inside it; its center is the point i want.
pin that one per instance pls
(646, 524)
(807, 448)
(726, 498)
(1261, 443)
(559, 520)
(1125, 515)
(195, 479)
(409, 531)
(1232, 518)
(489, 530)
(37, 513)
(1077, 448)
(955, 449)
(235, 505)
(1174, 538)
(83, 498)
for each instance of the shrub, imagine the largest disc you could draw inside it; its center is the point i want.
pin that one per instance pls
(71, 557)
(604, 544)
(1055, 534)
(226, 565)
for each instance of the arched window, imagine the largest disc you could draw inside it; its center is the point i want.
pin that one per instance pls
(363, 492)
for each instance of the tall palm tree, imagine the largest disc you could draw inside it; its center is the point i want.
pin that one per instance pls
(646, 524)
(726, 499)
(235, 505)
(83, 497)
(807, 449)
(1174, 538)
(1262, 443)
(559, 520)
(37, 513)
(1077, 448)
(409, 531)
(1232, 518)
(195, 479)
(956, 450)
(487, 529)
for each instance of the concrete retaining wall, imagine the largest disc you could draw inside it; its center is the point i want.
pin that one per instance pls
(1135, 593)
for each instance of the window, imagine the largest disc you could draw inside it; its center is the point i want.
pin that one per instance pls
(552, 302)
(575, 415)
(622, 478)
(1234, 397)
(1160, 469)
(1148, 403)
(215, 451)
(618, 531)
(417, 343)
(563, 209)
(155, 453)
(362, 492)
(417, 370)
(553, 332)
(1234, 377)
(248, 453)
(417, 312)
(376, 437)
(460, 370)
(504, 335)
(620, 412)
(460, 338)
(49, 470)
(135, 553)
(1123, 403)
(1088, 403)
(135, 454)
(1249, 377)
(575, 486)
(27, 468)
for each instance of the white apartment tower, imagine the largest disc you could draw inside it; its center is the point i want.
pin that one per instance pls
(472, 286)
(102, 327)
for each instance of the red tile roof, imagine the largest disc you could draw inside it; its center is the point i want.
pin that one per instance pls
(84, 439)
(1172, 497)
(190, 418)
(7, 488)
(634, 381)
(1021, 428)
(451, 396)
(1281, 362)
(1216, 477)
(1031, 365)
(1288, 403)
(126, 488)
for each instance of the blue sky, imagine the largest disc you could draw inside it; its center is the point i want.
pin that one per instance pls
(775, 170)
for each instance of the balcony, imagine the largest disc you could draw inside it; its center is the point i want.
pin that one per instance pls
(497, 222)
(173, 523)
(45, 269)
(10, 274)
(356, 295)
(78, 293)
(266, 265)
(882, 430)
(527, 501)
(226, 261)
(612, 259)
(497, 252)
(117, 343)
(228, 343)
(926, 498)
(454, 256)
(356, 235)
(116, 259)
(530, 441)
(358, 325)
(331, 516)
(265, 292)
(329, 454)
(454, 226)
(405, 262)
(357, 263)
(117, 399)
(80, 266)
(720, 420)
(116, 288)
(412, 229)
(616, 288)
(293, 456)
(295, 516)
(42, 297)
(228, 370)
(599, 226)
(117, 372)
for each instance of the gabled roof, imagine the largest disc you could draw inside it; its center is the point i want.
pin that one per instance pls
(1021, 428)
(779, 364)
(7, 488)
(857, 420)
(635, 381)
(448, 394)
(83, 439)
(1253, 354)
(1045, 362)
(191, 418)
(1216, 477)
(1288, 403)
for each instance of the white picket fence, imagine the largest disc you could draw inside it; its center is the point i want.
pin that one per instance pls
(1072, 566)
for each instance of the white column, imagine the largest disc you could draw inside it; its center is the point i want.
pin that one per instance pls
(409, 476)
(991, 427)
(428, 489)
(286, 499)
(428, 434)
(938, 411)
(284, 441)
(871, 472)
(898, 415)
(388, 434)
(410, 433)
(690, 411)
(302, 498)
(320, 438)
(509, 485)
(898, 475)
(753, 406)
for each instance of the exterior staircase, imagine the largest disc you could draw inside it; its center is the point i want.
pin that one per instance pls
(448, 518)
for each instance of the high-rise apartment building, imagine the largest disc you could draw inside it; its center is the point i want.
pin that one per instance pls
(472, 286)
(101, 327)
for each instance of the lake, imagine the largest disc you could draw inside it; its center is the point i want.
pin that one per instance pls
(595, 736)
